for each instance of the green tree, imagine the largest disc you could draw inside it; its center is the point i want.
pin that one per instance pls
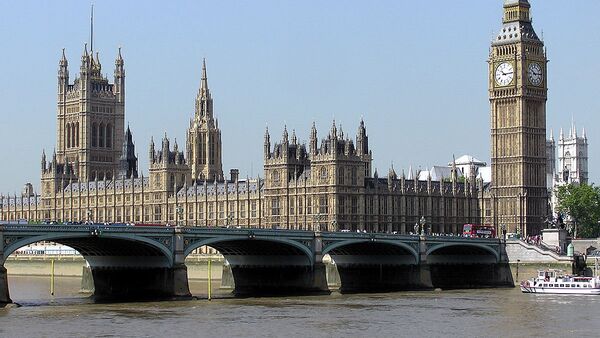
(582, 203)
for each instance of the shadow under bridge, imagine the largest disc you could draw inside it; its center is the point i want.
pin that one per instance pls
(124, 265)
(467, 265)
(263, 263)
(375, 265)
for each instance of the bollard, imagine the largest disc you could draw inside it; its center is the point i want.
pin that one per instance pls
(209, 280)
(52, 277)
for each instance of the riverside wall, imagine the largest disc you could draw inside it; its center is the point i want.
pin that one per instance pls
(72, 266)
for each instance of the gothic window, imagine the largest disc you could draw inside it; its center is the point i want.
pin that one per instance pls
(354, 176)
(101, 135)
(300, 210)
(275, 206)
(242, 210)
(211, 211)
(342, 205)
(72, 134)
(253, 209)
(323, 205)
(77, 134)
(109, 136)
(323, 174)
(275, 176)
(354, 205)
(94, 134)
(341, 175)
(68, 135)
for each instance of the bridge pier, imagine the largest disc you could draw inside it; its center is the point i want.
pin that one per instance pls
(280, 280)
(4, 295)
(127, 283)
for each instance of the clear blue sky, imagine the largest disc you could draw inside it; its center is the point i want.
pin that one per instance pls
(416, 71)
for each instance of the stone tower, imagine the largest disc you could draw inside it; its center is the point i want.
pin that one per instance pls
(572, 157)
(90, 117)
(204, 137)
(518, 93)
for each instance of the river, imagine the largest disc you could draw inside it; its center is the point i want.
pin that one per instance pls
(471, 313)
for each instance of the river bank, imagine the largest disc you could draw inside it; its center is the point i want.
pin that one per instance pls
(73, 266)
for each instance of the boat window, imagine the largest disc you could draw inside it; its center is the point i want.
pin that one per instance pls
(568, 285)
(585, 285)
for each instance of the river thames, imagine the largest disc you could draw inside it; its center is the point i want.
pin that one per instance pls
(472, 313)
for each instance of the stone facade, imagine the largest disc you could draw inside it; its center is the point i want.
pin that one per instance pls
(326, 186)
(518, 93)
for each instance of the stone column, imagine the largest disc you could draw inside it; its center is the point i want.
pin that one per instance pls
(4, 295)
(424, 270)
(180, 277)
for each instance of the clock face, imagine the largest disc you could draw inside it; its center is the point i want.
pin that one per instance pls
(534, 73)
(504, 74)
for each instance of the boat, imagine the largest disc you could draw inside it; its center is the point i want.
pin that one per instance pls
(554, 281)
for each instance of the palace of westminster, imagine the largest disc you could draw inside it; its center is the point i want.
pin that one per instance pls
(327, 184)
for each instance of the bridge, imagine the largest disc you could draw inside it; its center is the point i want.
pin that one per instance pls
(141, 262)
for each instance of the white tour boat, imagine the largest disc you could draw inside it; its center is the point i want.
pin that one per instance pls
(553, 281)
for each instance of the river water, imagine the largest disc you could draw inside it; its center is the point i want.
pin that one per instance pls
(470, 313)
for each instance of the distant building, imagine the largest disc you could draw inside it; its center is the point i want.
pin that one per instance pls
(327, 184)
(572, 166)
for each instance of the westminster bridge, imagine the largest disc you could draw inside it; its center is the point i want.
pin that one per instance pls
(148, 262)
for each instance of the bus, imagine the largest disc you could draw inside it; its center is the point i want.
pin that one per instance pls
(479, 231)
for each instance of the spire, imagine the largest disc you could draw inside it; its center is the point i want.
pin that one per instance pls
(63, 59)
(204, 79)
(92, 29)
(333, 133)
(551, 135)
(561, 135)
(583, 133)
(294, 138)
(284, 137)
(43, 160)
(312, 146)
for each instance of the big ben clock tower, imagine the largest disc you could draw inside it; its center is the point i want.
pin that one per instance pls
(518, 92)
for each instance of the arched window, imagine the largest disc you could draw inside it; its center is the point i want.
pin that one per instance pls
(101, 136)
(68, 135)
(72, 134)
(94, 134)
(109, 136)
(77, 134)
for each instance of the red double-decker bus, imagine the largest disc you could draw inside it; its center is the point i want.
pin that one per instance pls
(479, 231)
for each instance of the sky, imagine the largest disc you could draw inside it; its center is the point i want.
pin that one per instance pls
(415, 71)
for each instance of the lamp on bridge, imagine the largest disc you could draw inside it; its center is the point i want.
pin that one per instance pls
(503, 227)
(422, 225)
(89, 215)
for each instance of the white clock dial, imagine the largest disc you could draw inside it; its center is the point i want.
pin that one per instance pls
(504, 74)
(535, 74)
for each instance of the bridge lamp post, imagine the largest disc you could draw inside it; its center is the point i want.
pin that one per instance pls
(422, 225)
(89, 215)
(503, 227)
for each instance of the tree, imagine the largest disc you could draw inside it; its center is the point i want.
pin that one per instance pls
(582, 203)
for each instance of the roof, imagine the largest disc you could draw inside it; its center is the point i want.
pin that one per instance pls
(468, 159)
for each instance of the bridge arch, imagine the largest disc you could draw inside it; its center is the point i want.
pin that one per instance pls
(332, 248)
(228, 246)
(463, 249)
(83, 243)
